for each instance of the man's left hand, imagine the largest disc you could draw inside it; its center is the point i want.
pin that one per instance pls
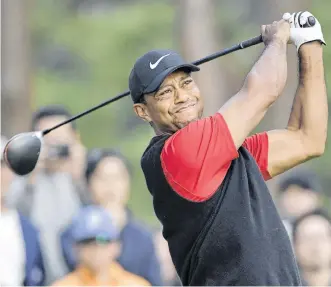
(301, 32)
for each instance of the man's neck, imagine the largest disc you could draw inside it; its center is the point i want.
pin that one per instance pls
(159, 132)
(317, 278)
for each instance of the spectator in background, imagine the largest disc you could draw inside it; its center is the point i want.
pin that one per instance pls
(300, 193)
(97, 247)
(312, 245)
(54, 192)
(168, 271)
(108, 175)
(20, 256)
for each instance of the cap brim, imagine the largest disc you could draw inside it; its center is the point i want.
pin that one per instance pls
(156, 83)
(97, 238)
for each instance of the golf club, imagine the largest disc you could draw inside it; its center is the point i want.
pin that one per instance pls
(22, 151)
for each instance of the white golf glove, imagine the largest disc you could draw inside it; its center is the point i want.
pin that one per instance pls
(301, 31)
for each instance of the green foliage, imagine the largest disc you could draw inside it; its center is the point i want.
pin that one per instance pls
(109, 44)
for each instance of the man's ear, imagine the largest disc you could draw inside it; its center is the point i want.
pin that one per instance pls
(142, 112)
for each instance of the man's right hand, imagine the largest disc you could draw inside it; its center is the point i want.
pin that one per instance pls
(277, 32)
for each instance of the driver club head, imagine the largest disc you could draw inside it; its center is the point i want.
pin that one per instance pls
(22, 151)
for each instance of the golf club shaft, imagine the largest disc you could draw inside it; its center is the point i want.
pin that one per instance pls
(45, 132)
(242, 45)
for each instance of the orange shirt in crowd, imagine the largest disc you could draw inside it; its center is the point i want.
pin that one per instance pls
(84, 277)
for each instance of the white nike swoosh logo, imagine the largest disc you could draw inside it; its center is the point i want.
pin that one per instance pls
(153, 66)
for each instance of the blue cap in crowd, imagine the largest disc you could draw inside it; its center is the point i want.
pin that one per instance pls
(93, 223)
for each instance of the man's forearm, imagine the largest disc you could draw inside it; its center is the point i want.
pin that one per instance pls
(263, 85)
(310, 109)
(294, 122)
(269, 74)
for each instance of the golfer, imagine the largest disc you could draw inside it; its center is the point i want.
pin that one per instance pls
(207, 177)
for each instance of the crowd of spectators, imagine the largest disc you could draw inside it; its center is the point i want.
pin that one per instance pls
(300, 200)
(69, 224)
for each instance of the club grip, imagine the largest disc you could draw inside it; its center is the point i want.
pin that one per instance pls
(251, 42)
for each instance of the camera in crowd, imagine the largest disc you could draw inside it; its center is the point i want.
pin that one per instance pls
(58, 152)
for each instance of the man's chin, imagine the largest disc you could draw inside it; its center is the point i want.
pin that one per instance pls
(183, 123)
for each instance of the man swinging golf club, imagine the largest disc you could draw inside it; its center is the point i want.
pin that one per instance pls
(207, 177)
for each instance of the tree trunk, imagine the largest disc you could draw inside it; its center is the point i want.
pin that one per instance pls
(198, 37)
(15, 108)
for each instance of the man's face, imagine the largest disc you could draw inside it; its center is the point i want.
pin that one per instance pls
(296, 201)
(174, 105)
(313, 243)
(64, 135)
(110, 183)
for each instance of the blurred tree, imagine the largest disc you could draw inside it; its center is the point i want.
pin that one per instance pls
(89, 6)
(15, 68)
(198, 37)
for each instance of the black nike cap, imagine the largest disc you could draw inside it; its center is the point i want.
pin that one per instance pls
(151, 69)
